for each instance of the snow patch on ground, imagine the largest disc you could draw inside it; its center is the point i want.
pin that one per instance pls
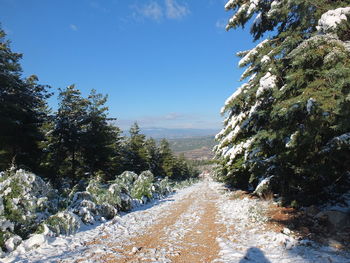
(245, 237)
(121, 229)
(248, 238)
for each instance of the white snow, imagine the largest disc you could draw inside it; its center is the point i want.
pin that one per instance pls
(230, 99)
(343, 205)
(310, 104)
(253, 52)
(252, 7)
(247, 72)
(268, 81)
(229, 4)
(245, 236)
(238, 149)
(332, 18)
(257, 20)
(121, 229)
(12, 243)
(337, 142)
(34, 241)
(263, 183)
(265, 59)
(248, 239)
(231, 124)
(342, 139)
(291, 140)
(273, 8)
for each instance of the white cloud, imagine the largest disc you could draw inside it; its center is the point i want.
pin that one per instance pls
(151, 10)
(221, 23)
(156, 11)
(174, 10)
(73, 27)
(96, 5)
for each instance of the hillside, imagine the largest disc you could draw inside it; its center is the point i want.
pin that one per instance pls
(196, 148)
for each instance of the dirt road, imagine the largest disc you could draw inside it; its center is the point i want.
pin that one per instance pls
(185, 232)
(201, 223)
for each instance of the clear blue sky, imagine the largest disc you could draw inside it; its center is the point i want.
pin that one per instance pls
(163, 63)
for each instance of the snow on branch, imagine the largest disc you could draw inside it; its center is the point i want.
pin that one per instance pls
(337, 142)
(233, 152)
(268, 81)
(330, 20)
(253, 52)
(244, 11)
(234, 96)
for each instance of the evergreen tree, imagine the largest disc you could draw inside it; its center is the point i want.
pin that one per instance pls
(167, 158)
(70, 127)
(21, 111)
(155, 158)
(100, 139)
(135, 153)
(281, 124)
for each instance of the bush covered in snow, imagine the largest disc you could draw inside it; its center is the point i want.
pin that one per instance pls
(25, 201)
(143, 186)
(29, 205)
(63, 223)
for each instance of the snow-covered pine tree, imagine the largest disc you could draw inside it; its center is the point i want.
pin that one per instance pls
(284, 123)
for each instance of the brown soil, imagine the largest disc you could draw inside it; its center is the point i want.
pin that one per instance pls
(201, 242)
(307, 226)
(198, 244)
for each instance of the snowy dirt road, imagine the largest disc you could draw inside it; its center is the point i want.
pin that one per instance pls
(201, 223)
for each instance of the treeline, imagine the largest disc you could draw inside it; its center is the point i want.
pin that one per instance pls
(76, 142)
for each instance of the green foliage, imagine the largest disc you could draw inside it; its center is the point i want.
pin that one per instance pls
(143, 186)
(62, 223)
(26, 201)
(76, 143)
(136, 157)
(283, 121)
(22, 101)
(78, 150)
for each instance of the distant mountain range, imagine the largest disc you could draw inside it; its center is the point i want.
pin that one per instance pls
(158, 133)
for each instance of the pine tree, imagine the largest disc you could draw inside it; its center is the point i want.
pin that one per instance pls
(135, 153)
(155, 158)
(21, 111)
(70, 127)
(100, 138)
(280, 122)
(167, 158)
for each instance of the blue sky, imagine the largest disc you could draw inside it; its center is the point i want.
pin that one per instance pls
(163, 63)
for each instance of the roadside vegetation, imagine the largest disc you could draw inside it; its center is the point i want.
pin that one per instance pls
(72, 166)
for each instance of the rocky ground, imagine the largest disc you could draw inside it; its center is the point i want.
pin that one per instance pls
(201, 223)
